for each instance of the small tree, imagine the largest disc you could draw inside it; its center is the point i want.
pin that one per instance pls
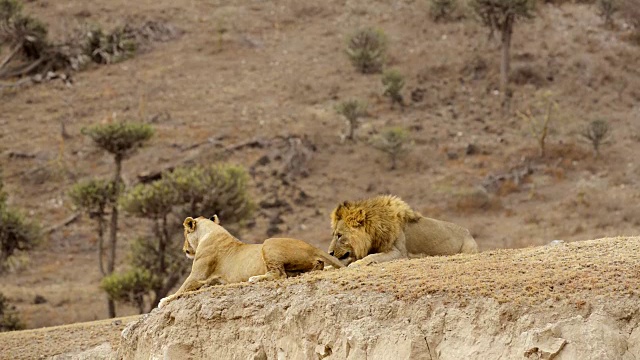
(606, 9)
(93, 197)
(501, 15)
(16, 233)
(352, 110)
(597, 132)
(366, 49)
(155, 201)
(540, 118)
(9, 319)
(120, 139)
(393, 82)
(394, 142)
(129, 287)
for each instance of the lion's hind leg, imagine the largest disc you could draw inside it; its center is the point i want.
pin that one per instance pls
(273, 273)
(273, 263)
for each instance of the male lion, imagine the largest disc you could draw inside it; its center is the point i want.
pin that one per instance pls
(385, 228)
(219, 258)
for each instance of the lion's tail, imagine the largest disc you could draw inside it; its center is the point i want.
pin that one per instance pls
(332, 260)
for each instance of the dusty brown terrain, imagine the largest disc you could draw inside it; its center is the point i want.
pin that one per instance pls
(572, 300)
(279, 70)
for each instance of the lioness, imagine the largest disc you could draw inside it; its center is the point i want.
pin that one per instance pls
(219, 258)
(385, 228)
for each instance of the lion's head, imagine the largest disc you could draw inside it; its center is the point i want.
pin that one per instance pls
(191, 236)
(367, 226)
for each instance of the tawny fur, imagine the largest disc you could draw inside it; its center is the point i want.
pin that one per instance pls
(385, 228)
(220, 258)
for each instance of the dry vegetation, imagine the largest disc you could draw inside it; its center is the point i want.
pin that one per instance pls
(243, 86)
(569, 273)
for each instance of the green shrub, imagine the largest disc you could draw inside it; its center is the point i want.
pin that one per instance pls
(394, 142)
(606, 9)
(9, 319)
(352, 110)
(217, 189)
(597, 133)
(442, 9)
(366, 49)
(129, 287)
(393, 82)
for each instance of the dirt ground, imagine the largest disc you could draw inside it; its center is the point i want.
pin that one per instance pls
(588, 290)
(271, 70)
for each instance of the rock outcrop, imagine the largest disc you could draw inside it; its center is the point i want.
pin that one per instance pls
(571, 301)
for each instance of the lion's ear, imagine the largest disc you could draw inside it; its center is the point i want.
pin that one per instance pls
(360, 216)
(215, 219)
(189, 224)
(338, 213)
(356, 218)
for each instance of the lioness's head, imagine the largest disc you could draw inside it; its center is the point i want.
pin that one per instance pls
(351, 240)
(191, 236)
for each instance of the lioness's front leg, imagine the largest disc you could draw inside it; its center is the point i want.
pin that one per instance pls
(190, 284)
(399, 251)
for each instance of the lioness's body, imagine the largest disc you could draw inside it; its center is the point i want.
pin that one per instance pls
(385, 228)
(220, 258)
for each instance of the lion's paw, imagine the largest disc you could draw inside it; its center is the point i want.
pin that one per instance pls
(361, 263)
(163, 302)
(255, 279)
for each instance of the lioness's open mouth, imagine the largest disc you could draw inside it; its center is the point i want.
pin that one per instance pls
(345, 256)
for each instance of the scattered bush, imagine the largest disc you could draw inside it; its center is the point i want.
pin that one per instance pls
(393, 82)
(630, 10)
(597, 132)
(108, 48)
(367, 50)
(9, 319)
(352, 110)
(394, 142)
(442, 9)
(209, 190)
(539, 117)
(16, 232)
(129, 287)
(606, 9)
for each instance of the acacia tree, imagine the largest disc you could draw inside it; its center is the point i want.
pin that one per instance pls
(93, 197)
(121, 140)
(501, 15)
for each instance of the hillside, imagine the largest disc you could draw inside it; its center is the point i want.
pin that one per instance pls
(273, 72)
(568, 301)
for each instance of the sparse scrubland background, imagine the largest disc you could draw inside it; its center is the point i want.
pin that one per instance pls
(257, 83)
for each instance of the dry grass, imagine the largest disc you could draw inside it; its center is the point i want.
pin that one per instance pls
(47, 342)
(570, 273)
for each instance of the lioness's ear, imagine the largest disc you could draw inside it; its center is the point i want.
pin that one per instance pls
(189, 224)
(215, 219)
